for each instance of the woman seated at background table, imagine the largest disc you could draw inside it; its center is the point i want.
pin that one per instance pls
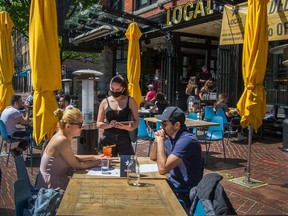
(161, 103)
(232, 115)
(221, 103)
(58, 156)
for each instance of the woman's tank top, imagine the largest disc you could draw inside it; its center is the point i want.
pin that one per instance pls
(118, 115)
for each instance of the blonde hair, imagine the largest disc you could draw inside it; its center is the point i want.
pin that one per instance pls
(192, 84)
(67, 116)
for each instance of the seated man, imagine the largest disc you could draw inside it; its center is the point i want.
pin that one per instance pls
(11, 116)
(64, 101)
(150, 96)
(177, 151)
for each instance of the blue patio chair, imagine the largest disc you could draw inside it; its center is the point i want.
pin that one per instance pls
(29, 131)
(193, 116)
(141, 132)
(22, 194)
(209, 113)
(214, 133)
(227, 124)
(8, 139)
(22, 173)
(151, 136)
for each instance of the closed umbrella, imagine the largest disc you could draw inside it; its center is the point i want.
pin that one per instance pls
(6, 60)
(45, 64)
(133, 34)
(252, 104)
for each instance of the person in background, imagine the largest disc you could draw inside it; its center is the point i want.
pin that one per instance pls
(11, 116)
(231, 115)
(58, 156)
(59, 94)
(160, 103)
(64, 101)
(205, 75)
(206, 90)
(221, 103)
(150, 96)
(29, 99)
(113, 116)
(176, 150)
(192, 90)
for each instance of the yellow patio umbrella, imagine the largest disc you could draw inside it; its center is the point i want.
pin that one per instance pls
(6, 60)
(45, 64)
(252, 104)
(133, 34)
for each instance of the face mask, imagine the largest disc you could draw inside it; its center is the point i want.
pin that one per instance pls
(115, 94)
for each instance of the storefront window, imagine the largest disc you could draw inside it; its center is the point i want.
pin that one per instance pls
(121, 59)
(117, 4)
(145, 3)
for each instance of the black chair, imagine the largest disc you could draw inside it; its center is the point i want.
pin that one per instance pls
(22, 194)
(22, 173)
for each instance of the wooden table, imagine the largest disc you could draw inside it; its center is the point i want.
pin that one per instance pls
(141, 160)
(115, 197)
(190, 123)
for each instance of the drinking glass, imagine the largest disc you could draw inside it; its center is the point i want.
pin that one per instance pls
(104, 166)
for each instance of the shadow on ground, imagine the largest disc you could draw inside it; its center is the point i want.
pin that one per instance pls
(218, 163)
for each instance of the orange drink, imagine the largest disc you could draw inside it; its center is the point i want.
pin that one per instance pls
(107, 151)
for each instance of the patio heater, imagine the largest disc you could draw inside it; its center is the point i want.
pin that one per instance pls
(87, 142)
(67, 83)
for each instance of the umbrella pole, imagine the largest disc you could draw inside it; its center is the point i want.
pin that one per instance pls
(248, 169)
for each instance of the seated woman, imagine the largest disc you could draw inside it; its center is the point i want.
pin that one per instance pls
(58, 156)
(232, 115)
(221, 103)
(192, 90)
(160, 104)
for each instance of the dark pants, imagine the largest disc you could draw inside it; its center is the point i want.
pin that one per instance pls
(122, 142)
(23, 144)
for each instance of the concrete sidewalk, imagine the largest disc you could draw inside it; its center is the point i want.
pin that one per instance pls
(268, 164)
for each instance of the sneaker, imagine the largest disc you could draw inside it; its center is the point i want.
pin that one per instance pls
(14, 152)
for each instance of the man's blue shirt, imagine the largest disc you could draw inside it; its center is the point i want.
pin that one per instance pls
(187, 147)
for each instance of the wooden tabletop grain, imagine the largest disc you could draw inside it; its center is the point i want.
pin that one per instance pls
(111, 196)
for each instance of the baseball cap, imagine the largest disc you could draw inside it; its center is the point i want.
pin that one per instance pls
(173, 114)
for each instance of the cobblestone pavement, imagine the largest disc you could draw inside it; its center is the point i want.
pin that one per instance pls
(268, 164)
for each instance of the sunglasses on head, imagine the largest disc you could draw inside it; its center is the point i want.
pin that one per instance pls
(79, 124)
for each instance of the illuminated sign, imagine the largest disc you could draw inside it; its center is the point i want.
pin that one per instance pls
(191, 10)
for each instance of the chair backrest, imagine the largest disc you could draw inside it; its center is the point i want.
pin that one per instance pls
(220, 112)
(22, 194)
(3, 130)
(209, 113)
(142, 132)
(199, 210)
(21, 170)
(192, 115)
(217, 130)
(158, 125)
